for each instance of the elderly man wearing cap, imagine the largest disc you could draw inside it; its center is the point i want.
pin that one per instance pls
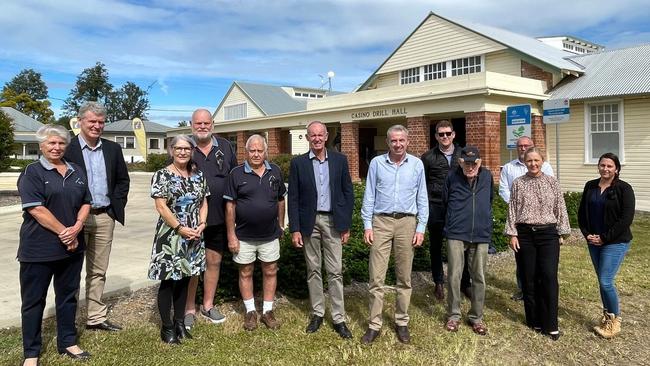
(467, 196)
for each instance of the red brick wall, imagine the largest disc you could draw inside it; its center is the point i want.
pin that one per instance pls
(242, 136)
(533, 72)
(418, 134)
(350, 147)
(483, 131)
(538, 131)
(274, 142)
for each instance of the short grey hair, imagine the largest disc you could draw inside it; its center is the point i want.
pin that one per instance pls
(50, 130)
(396, 128)
(313, 123)
(257, 137)
(92, 106)
(175, 140)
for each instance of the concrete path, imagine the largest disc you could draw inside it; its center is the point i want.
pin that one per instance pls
(129, 258)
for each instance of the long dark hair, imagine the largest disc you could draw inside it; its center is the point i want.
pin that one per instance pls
(613, 157)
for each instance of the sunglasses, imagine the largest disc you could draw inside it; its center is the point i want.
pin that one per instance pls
(443, 134)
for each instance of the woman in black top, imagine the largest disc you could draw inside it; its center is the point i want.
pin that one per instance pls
(605, 215)
(56, 201)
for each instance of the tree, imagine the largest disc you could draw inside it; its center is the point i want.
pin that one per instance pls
(92, 85)
(29, 82)
(37, 109)
(128, 102)
(63, 121)
(183, 123)
(6, 140)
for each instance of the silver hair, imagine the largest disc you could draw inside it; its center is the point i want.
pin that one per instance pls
(396, 128)
(49, 130)
(256, 137)
(94, 107)
(201, 110)
(316, 123)
(175, 141)
(526, 137)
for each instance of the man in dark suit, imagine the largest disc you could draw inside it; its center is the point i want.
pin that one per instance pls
(320, 213)
(108, 181)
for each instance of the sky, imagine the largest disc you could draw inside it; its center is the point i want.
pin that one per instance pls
(187, 53)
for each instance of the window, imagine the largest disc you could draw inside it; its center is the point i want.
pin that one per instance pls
(125, 142)
(154, 144)
(467, 65)
(235, 111)
(435, 71)
(410, 76)
(604, 129)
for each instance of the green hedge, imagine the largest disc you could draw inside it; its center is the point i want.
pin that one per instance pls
(20, 163)
(284, 162)
(156, 162)
(292, 275)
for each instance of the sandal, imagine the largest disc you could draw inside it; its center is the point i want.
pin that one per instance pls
(452, 325)
(479, 328)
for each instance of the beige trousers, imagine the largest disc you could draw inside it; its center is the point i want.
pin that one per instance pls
(325, 238)
(397, 234)
(98, 232)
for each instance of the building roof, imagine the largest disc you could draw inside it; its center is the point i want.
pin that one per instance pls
(22, 122)
(272, 99)
(125, 125)
(609, 73)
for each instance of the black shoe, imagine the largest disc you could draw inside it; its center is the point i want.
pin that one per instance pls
(168, 335)
(370, 336)
(554, 336)
(106, 325)
(181, 331)
(342, 330)
(76, 356)
(314, 323)
(403, 334)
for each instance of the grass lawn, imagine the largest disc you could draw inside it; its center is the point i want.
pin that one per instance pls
(509, 341)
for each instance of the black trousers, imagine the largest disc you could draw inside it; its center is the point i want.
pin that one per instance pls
(172, 292)
(537, 263)
(436, 234)
(35, 278)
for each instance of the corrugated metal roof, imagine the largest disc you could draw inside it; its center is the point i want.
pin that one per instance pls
(125, 125)
(609, 73)
(22, 122)
(527, 45)
(272, 99)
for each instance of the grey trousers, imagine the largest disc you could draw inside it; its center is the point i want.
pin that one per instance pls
(477, 256)
(325, 238)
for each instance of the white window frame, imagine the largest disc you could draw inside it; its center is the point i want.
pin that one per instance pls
(410, 76)
(440, 71)
(481, 65)
(587, 129)
(124, 141)
(418, 74)
(228, 111)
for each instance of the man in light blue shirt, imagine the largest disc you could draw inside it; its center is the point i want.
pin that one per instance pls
(394, 213)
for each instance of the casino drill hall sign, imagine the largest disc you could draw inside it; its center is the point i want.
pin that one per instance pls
(379, 113)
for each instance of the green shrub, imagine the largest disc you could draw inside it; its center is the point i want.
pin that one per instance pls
(156, 162)
(284, 162)
(20, 163)
(572, 200)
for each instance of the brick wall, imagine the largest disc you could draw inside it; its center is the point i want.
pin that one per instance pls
(538, 132)
(482, 130)
(242, 136)
(533, 72)
(350, 147)
(274, 142)
(418, 135)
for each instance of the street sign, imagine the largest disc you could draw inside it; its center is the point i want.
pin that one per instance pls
(556, 111)
(517, 124)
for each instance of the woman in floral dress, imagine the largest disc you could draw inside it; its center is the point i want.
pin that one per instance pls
(180, 192)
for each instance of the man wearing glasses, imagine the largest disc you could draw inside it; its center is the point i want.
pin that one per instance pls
(437, 163)
(511, 171)
(215, 157)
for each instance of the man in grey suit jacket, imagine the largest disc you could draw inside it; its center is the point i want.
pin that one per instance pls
(320, 213)
(108, 182)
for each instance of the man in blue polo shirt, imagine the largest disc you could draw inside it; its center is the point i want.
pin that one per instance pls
(254, 219)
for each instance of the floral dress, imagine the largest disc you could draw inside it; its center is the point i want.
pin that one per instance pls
(174, 257)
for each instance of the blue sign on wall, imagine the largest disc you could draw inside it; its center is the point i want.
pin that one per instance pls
(517, 124)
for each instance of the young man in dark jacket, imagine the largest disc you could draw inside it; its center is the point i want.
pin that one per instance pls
(467, 196)
(437, 163)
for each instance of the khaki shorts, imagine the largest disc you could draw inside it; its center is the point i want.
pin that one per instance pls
(266, 251)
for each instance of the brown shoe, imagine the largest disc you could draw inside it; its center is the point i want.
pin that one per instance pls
(439, 291)
(452, 325)
(479, 328)
(250, 320)
(269, 320)
(370, 336)
(403, 334)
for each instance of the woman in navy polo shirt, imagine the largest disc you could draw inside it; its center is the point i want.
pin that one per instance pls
(56, 201)
(605, 215)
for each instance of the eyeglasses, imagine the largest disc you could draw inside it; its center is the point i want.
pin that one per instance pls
(443, 134)
(183, 149)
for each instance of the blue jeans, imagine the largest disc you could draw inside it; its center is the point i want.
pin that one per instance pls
(607, 260)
